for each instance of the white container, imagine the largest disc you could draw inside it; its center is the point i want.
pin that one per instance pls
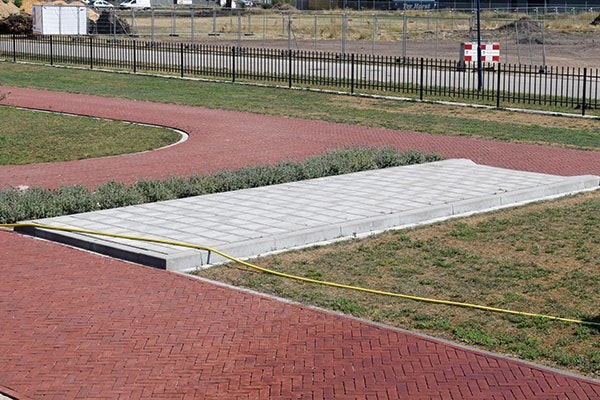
(60, 20)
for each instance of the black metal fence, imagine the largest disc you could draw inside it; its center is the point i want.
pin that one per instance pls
(500, 85)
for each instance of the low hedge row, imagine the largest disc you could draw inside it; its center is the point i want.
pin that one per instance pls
(33, 203)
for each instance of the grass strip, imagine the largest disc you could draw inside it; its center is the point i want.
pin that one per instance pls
(430, 118)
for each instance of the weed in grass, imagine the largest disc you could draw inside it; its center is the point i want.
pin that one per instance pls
(568, 359)
(463, 231)
(257, 281)
(313, 274)
(583, 332)
(403, 271)
(471, 334)
(526, 347)
(517, 270)
(343, 305)
(510, 298)
(428, 322)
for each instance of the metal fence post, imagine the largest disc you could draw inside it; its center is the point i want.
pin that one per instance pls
(14, 40)
(91, 53)
(352, 73)
(181, 58)
(233, 64)
(421, 78)
(134, 57)
(51, 56)
(290, 68)
(583, 100)
(498, 88)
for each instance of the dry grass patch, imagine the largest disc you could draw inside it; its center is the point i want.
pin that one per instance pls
(542, 258)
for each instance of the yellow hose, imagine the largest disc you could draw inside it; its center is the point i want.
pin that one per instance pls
(300, 278)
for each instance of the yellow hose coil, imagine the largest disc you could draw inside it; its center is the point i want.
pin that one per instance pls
(300, 278)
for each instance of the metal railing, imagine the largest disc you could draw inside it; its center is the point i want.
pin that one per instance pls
(503, 85)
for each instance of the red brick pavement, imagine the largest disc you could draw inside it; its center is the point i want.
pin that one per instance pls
(225, 139)
(78, 325)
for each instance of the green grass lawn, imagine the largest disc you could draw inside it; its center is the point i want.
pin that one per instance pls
(28, 137)
(438, 119)
(541, 258)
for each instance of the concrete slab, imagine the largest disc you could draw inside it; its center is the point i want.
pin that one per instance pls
(251, 222)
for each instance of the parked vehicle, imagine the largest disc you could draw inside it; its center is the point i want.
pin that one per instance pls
(101, 4)
(136, 4)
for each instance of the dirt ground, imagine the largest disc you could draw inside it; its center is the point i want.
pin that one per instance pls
(561, 49)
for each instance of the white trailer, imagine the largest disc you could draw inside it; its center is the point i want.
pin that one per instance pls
(60, 20)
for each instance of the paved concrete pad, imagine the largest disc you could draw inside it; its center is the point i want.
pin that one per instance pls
(250, 222)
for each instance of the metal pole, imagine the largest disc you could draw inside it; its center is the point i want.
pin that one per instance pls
(152, 24)
(290, 68)
(498, 87)
(374, 33)
(289, 32)
(239, 32)
(479, 64)
(437, 38)
(51, 51)
(214, 21)
(233, 64)
(316, 30)
(583, 102)
(544, 43)
(404, 35)
(193, 27)
(250, 21)
(352, 73)
(344, 31)
(421, 79)
(181, 58)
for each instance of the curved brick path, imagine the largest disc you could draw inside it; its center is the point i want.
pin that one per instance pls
(226, 139)
(78, 325)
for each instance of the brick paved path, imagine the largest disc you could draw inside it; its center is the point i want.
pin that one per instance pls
(225, 139)
(78, 325)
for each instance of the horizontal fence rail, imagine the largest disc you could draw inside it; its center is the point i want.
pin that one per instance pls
(499, 85)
